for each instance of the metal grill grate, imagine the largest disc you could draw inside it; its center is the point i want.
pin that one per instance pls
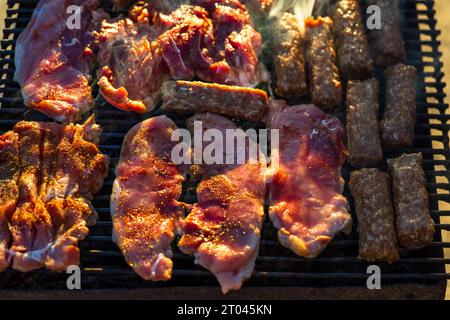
(103, 266)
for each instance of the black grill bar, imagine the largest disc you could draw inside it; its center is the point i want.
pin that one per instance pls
(103, 265)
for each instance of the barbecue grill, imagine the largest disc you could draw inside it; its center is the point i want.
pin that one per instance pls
(336, 273)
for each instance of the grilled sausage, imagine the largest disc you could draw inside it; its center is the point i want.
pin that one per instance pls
(324, 81)
(235, 102)
(415, 227)
(376, 224)
(352, 47)
(289, 57)
(397, 126)
(363, 130)
(387, 44)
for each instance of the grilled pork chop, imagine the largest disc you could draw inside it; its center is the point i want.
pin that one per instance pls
(306, 202)
(223, 229)
(235, 49)
(53, 62)
(144, 202)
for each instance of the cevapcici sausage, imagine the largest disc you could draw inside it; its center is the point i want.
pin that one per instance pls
(376, 223)
(387, 44)
(352, 48)
(415, 227)
(289, 57)
(363, 130)
(397, 126)
(324, 82)
(235, 102)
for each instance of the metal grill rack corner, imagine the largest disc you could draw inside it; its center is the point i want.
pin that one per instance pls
(336, 273)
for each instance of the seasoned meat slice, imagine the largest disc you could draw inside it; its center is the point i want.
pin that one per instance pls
(223, 229)
(78, 170)
(9, 191)
(144, 203)
(53, 171)
(30, 225)
(306, 204)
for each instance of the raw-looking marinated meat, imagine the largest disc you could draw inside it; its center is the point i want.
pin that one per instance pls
(9, 190)
(213, 40)
(371, 190)
(232, 101)
(363, 127)
(415, 227)
(288, 45)
(237, 46)
(387, 44)
(78, 169)
(131, 69)
(352, 47)
(306, 204)
(398, 124)
(223, 229)
(54, 172)
(53, 61)
(325, 86)
(144, 203)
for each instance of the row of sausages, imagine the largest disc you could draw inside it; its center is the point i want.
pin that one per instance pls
(392, 208)
(332, 48)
